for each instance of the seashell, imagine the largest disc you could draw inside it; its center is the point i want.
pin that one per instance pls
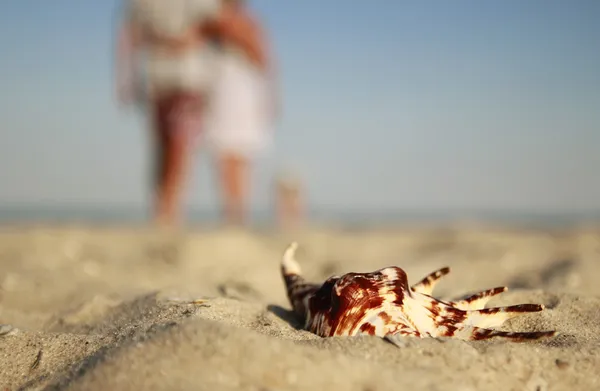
(382, 303)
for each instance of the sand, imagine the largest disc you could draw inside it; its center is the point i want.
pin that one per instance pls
(109, 308)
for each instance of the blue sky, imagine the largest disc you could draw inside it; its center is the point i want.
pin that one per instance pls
(387, 104)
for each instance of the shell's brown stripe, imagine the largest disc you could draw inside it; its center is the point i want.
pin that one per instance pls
(367, 328)
(431, 278)
(375, 289)
(296, 285)
(348, 300)
(531, 335)
(480, 334)
(293, 279)
(300, 293)
(513, 308)
(436, 275)
(447, 312)
(297, 291)
(303, 290)
(385, 317)
(399, 293)
(440, 273)
(400, 288)
(481, 295)
(346, 316)
(411, 333)
(320, 308)
(450, 330)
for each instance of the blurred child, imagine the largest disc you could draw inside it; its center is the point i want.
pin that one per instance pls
(289, 201)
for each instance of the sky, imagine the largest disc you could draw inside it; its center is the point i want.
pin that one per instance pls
(387, 104)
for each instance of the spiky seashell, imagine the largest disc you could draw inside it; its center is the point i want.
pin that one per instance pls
(382, 303)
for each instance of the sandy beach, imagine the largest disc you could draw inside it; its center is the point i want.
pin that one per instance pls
(108, 308)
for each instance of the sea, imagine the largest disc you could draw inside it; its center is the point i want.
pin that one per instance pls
(342, 217)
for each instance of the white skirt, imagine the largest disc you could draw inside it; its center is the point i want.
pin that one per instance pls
(237, 118)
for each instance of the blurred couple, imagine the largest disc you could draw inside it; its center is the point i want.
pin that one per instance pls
(208, 79)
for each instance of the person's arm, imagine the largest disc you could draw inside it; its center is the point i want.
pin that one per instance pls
(243, 32)
(247, 33)
(256, 42)
(258, 46)
(128, 39)
(271, 72)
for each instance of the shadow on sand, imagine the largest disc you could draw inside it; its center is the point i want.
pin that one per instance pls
(285, 315)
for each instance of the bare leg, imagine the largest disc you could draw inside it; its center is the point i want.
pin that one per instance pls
(233, 177)
(174, 172)
(177, 118)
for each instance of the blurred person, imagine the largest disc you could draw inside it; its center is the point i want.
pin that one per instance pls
(242, 109)
(289, 201)
(179, 70)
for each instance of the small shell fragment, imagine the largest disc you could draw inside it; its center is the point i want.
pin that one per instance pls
(178, 300)
(36, 362)
(7, 329)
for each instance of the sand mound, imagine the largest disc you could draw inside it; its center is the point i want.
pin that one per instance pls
(95, 309)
